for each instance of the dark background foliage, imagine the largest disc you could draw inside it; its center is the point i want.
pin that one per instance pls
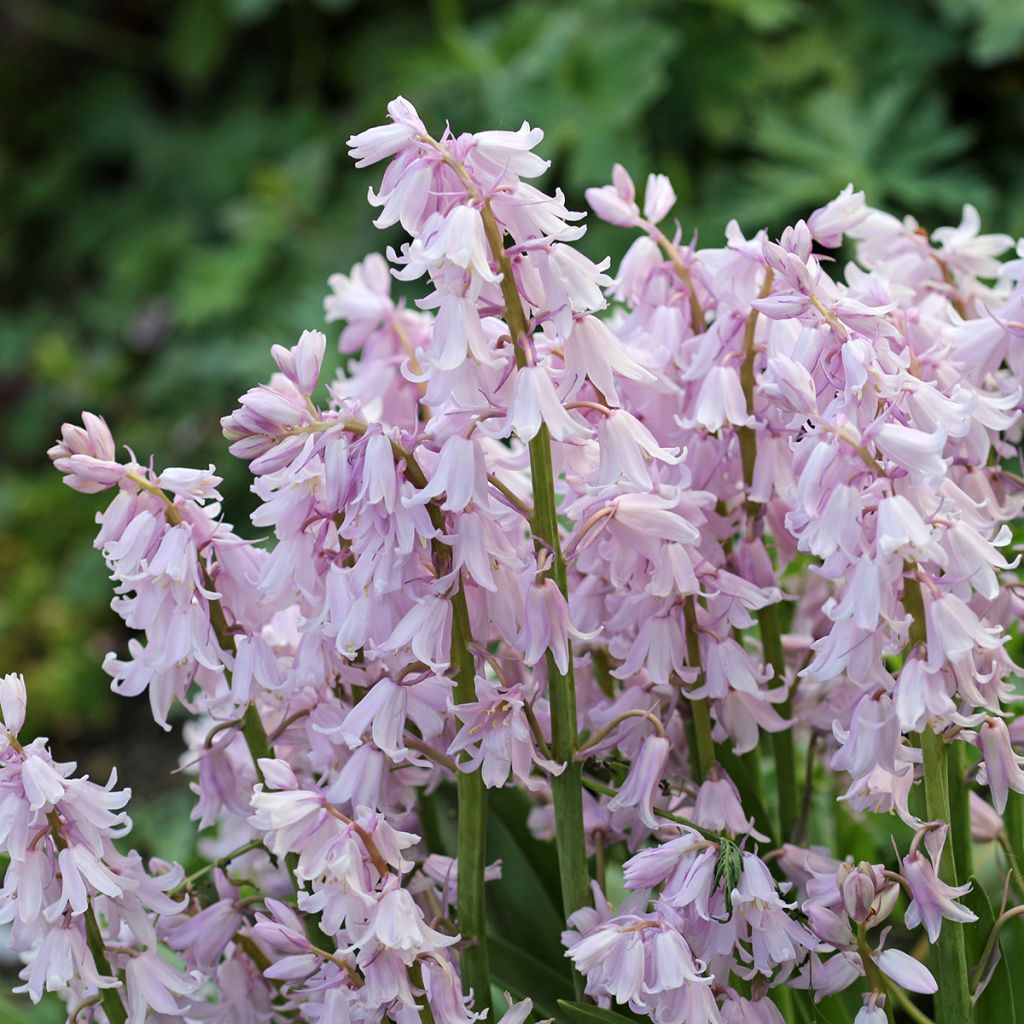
(175, 192)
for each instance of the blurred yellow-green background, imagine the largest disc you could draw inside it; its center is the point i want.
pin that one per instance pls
(175, 192)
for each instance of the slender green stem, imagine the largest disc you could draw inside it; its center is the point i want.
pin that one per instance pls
(871, 971)
(978, 970)
(113, 1007)
(782, 742)
(472, 837)
(747, 435)
(800, 830)
(592, 741)
(112, 1003)
(220, 862)
(472, 795)
(959, 812)
(768, 618)
(712, 837)
(1015, 877)
(953, 999)
(1013, 837)
(703, 751)
(567, 787)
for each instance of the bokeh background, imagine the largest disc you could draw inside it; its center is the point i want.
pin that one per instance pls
(175, 192)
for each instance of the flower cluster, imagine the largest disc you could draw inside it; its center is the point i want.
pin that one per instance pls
(636, 544)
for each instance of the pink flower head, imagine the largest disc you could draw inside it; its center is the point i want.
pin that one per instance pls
(546, 625)
(933, 899)
(643, 783)
(1002, 764)
(12, 702)
(718, 807)
(498, 736)
(86, 456)
(301, 363)
(376, 144)
(616, 203)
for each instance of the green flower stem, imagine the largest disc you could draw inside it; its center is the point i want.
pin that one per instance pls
(472, 822)
(782, 742)
(1013, 837)
(953, 999)
(712, 837)
(472, 795)
(113, 1007)
(874, 976)
(980, 967)
(959, 812)
(702, 750)
(567, 787)
(768, 617)
(112, 1003)
(221, 862)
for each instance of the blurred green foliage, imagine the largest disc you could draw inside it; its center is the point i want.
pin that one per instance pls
(176, 191)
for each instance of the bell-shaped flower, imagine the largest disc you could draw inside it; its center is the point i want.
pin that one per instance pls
(719, 809)
(932, 899)
(301, 363)
(546, 625)
(12, 702)
(154, 987)
(643, 783)
(460, 475)
(379, 143)
(616, 203)
(536, 402)
(829, 223)
(497, 735)
(721, 401)
(659, 198)
(1002, 764)
(626, 446)
(917, 451)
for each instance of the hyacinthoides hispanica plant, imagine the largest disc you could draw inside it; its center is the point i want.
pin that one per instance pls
(589, 541)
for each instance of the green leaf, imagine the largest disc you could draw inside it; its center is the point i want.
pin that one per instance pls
(529, 878)
(525, 975)
(995, 1003)
(581, 1013)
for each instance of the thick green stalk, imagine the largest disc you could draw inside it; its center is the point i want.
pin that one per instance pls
(702, 750)
(768, 618)
(567, 787)
(959, 812)
(782, 742)
(112, 1004)
(472, 838)
(953, 999)
(113, 1007)
(1013, 827)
